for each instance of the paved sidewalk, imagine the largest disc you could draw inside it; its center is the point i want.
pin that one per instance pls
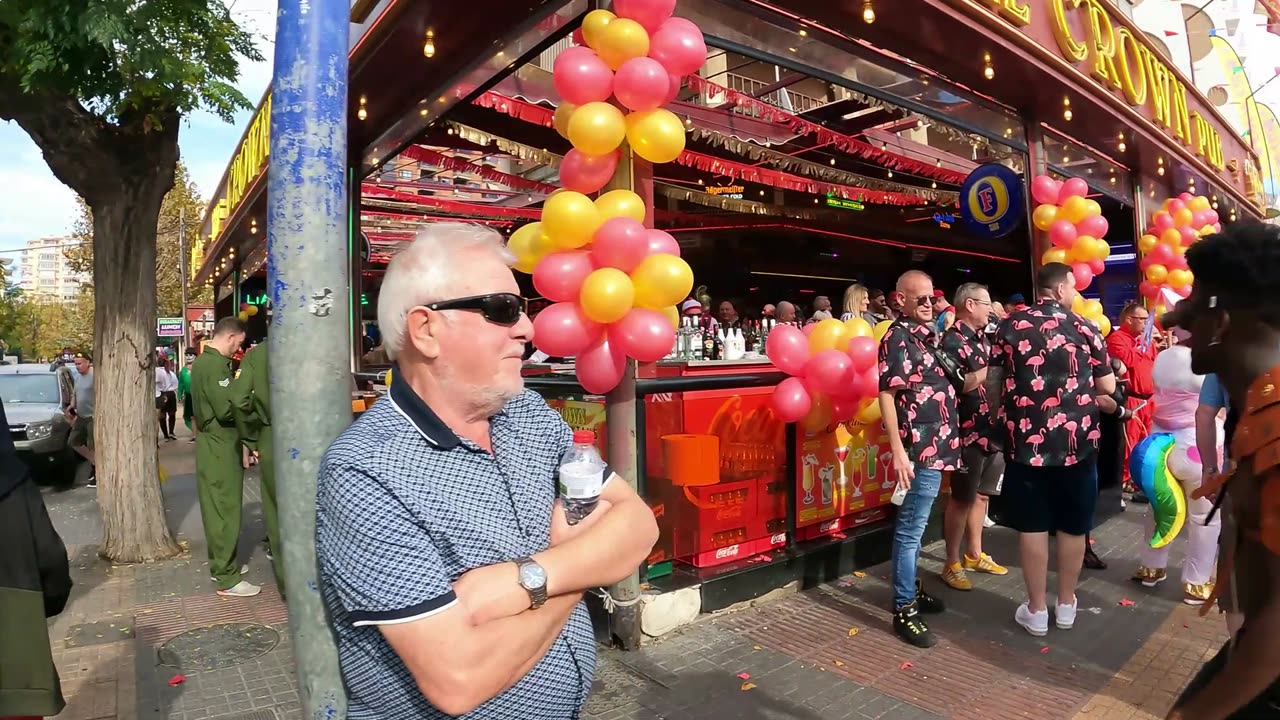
(827, 653)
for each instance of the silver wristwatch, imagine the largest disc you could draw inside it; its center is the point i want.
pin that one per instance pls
(533, 578)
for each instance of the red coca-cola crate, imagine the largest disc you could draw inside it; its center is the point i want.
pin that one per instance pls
(713, 516)
(843, 523)
(736, 551)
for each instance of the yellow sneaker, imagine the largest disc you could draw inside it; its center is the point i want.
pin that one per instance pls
(955, 577)
(985, 564)
(1149, 577)
(1196, 594)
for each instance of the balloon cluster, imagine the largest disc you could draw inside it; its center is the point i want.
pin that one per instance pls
(834, 372)
(1075, 226)
(247, 310)
(1092, 311)
(614, 283)
(1179, 223)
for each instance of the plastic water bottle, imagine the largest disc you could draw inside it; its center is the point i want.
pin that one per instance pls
(581, 477)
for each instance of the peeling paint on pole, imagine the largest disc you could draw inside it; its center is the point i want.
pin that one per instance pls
(309, 343)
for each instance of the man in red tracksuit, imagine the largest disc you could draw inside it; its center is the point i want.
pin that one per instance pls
(1125, 345)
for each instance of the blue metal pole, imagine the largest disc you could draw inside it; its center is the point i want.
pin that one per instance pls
(310, 346)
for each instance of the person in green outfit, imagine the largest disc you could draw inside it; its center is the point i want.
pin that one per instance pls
(184, 391)
(219, 469)
(252, 399)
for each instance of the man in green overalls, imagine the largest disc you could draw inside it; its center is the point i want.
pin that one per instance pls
(252, 398)
(219, 469)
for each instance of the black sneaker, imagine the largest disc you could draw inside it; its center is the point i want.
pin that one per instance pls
(927, 602)
(1092, 561)
(93, 482)
(909, 626)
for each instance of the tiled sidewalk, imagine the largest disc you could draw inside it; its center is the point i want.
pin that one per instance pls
(827, 653)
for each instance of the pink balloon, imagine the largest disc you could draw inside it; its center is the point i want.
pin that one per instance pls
(661, 243)
(829, 371)
(1162, 221)
(1199, 219)
(843, 408)
(1189, 235)
(559, 275)
(1045, 190)
(600, 367)
(678, 44)
(1083, 274)
(1185, 196)
(791, 400)
(585, 173)
(621, 243)
(1062, 233)
(1177, 262)
(1072, 187)
(642, 84)
(788, 349)
(561, 330)
(808, 328)
(1175, 205)
(1097, 266)
(581, 77)
(649, 13)
(1183, 291)
(578, 39)
(1212, 218)
(862, 351)
(646, 335)
(1094, 226)
(866, 384)
(673, 90)
(1161, 254)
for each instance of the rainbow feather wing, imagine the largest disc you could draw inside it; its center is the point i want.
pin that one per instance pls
(1149, 466)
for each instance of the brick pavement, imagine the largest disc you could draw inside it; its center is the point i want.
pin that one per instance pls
(827, 653)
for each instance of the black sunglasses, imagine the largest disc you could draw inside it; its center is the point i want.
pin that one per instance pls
(498, 308)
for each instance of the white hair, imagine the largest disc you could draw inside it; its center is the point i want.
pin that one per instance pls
(424, 271)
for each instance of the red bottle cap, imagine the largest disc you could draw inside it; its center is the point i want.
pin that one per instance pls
(584, 437)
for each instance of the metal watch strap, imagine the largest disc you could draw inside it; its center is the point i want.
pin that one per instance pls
(537, 596)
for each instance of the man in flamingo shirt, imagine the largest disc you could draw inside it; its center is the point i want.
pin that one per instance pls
(1125, 345)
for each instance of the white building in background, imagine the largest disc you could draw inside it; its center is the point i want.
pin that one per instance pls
(44, 271)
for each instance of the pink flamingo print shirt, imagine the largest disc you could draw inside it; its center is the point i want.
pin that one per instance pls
(972, 350)
(1050, 358)
(925, 400)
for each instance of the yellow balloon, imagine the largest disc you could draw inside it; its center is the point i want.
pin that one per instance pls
(525, 265)
(1171, 237)
(252, 310)
(1182, 217)
(1092, 309)
(1146, 243)
(661, 280)
(523, 242)
(620, 203)
(597, 128)
(673, 315)
(1103, 248)
(1199, 203)
(868, 413)
(1074, 209)
(1083, 249)
(878, 332)
(387, 380)
(607, 295)
(819, 416)
(622, 40)
(243, 316)
(1207, 230)
(1104, 325)
(1091, 208)
(829, 334)
(1077, 305)
(656, 135)
(1044, 216)
(1179, 278)
(1054, 255)
(857, 327)
(1157, 273)
(593, 26)
(570, 220)
(561, 119)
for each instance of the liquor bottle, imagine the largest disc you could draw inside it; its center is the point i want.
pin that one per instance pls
(709, 344)
(697, 346)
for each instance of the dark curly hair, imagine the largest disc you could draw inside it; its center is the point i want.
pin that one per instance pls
(1240, 266)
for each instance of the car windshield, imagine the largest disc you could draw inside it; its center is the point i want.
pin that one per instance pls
(35, 388)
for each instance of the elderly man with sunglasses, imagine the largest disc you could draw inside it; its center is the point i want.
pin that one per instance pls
(453, 581)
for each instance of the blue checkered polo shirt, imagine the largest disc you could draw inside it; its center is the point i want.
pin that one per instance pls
(404, 508)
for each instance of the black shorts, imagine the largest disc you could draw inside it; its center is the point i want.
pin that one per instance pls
(981, 474)
(1044, 499)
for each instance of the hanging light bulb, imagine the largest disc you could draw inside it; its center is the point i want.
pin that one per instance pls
(1121, 146)
(890, 173)
(1113, 179)
(1160, 171)
(868, 12)
(362, 113)
(429, 46)
(987, 71)
(1066, 109)
(1215, 205)
(934, 184)
(833, 161)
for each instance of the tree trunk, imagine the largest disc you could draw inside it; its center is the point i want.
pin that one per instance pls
(124, 260)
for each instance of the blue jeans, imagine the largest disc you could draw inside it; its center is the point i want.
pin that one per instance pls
(913, 516)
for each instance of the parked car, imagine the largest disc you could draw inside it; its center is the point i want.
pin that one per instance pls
(36, 398)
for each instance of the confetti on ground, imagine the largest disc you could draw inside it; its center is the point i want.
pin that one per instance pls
(853, 631)
(177, 680)
(839, 664)
(748, 686)
(1126, 602)
(1094, 610)
(756, 647)
(905, 666)
(859, 574)
(1044, 650)
(744, 676)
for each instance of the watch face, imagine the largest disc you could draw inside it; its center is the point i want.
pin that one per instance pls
(532, 576)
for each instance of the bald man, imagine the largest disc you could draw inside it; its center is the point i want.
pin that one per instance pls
(919, 402)
(786, 312)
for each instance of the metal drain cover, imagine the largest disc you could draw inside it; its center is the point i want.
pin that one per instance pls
(218, 646)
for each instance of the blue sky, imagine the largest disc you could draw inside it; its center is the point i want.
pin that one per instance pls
(35, 204)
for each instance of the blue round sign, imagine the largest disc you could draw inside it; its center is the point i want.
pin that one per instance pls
(992, 201)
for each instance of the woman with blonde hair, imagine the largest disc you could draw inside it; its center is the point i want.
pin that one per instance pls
(857, 303)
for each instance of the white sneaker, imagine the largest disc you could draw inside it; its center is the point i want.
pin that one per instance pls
(1035, 623)
(987, 522)
(244, 569)
(1065, 615)
(241, 589)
